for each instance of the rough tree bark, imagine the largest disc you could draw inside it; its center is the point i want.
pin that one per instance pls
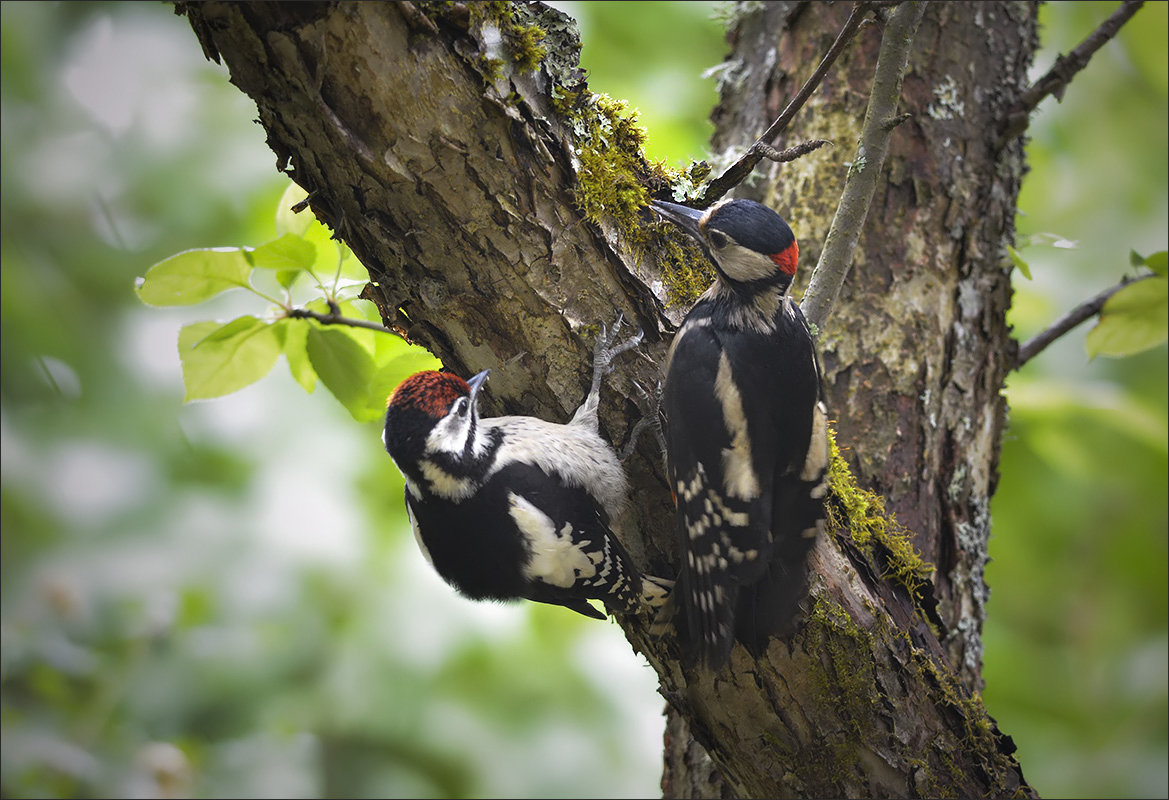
(453, 151)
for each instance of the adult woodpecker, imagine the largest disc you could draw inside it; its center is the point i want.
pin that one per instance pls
(516, 507)
(746, 435)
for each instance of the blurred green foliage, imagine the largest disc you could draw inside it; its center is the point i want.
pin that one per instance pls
(1076, 639)
(223, 598)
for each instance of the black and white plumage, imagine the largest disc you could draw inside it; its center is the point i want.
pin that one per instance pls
(746, 435)
(515, 507)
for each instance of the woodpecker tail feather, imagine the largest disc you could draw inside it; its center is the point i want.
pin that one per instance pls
(770, 606)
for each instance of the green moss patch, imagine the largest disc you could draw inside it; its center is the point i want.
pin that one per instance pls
(875, 530)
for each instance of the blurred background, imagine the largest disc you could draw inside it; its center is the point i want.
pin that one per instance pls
(223, 598)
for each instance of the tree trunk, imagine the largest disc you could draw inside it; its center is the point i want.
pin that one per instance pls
(495, 204)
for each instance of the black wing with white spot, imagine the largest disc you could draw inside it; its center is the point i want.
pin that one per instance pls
(722, 497)
(747, 443)
(572, 555)
(794, 423)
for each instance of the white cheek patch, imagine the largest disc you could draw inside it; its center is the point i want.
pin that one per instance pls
(554, 559)
(740, 479)
(745, 265)
(449, 435)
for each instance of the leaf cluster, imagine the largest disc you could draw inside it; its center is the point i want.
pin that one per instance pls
(319, 340)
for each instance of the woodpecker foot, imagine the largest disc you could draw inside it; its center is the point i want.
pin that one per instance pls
(651, 417)
(608, 348)
(604, 351)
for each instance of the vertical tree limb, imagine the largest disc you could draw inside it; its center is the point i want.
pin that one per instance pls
(880, 119)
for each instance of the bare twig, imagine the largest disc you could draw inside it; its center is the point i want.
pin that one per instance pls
(334, 318)
(735, 174)
(880, 120)
(791, 153)
(1065, 68)
(1084, 311)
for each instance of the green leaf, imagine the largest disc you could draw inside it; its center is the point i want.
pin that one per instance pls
(295, 338)
(348, 308)
(412, 359)
(345, 367)
(289, 252)
(287, 277)
(1136, 318)
(1158, 262)
(289, 221)
(194, 276)
(353, 310)
(350, 267)
(1019, 263)
(221, 359)
(223, 331)
(332, 252)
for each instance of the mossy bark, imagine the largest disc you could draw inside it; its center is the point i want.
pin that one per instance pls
(459, 175)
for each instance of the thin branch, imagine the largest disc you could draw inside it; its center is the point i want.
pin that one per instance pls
(880, 120)
(735, 174)
(1084, 311)
(791, 153)
(333, 318)
(1065, 68)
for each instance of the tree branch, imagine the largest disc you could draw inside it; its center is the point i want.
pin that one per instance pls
(333, 318)
(735, 174)
(1065, 68)
(880, 120)
(791, 153)
(1084, 311)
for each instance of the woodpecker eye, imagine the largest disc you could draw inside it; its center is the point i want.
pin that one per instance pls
(718, 240)
(460, 407)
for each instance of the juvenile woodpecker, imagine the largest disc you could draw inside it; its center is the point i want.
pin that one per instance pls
(516, 507)
(746, 435)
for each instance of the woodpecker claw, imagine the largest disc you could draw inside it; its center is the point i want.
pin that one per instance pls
(650, 405)
(605, 351)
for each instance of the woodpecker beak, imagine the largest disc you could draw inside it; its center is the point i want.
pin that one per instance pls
(476, 383)
(684, 217)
